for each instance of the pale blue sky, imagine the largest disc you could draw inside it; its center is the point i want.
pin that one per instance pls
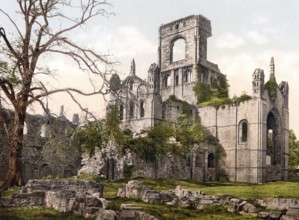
(246, 33)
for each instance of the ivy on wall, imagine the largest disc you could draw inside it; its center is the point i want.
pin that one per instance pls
(205, 92)
(186, 107)
(271, 86)
(215, 94)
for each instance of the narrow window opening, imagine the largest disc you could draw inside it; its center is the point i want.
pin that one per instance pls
(166, 81)
(141, 106)
(176, 77)
(121, 112)
(131, 109)
(211, 160)
(244, 131)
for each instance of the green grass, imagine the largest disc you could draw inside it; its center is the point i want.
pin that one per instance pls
(8, 193)
(36, 213)
(255, 191)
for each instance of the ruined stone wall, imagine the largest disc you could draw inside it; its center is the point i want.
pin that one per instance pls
(246, 161)
(47, 150)
(109, 163)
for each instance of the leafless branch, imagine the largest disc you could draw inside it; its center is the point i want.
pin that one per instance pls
(12, 21)
(81, 107)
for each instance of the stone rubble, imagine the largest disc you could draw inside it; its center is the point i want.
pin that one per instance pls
(197, 199)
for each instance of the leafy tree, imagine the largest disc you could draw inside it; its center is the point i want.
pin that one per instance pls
(91, 136)
(293, 151)
(99, 133)
(45, 27)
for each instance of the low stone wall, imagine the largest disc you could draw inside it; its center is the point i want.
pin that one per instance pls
(81, 197)
(80, 187)
(285, 209)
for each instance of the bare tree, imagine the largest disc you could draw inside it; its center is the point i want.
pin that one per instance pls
(44, 29)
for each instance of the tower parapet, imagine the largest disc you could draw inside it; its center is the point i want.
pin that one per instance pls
(153, 78)
(258, 79)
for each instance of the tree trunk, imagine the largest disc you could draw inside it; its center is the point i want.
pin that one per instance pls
(14, 176)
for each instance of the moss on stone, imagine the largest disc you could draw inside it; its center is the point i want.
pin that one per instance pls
(271, 86)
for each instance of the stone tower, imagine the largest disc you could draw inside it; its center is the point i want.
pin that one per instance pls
(186, 37)
(183, 48)
(258, 78)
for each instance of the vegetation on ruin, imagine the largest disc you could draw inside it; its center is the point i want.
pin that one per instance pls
(99, 133)
(215, 94)
(271, 86)
(217, 102)
(186, 107)
(204, 92)
(152, 143)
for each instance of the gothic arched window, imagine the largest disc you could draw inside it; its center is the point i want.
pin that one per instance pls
(243, 131)
(132, 109)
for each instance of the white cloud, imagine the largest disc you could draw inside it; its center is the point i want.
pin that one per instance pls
(229, 41)
(262, 19)
(257, 37)
(121, 41)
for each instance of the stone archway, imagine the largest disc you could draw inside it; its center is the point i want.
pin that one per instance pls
(273, 150)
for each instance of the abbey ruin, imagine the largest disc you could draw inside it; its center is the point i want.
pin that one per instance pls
(253, 132)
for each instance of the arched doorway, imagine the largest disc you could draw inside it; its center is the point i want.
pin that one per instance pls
(273, 149)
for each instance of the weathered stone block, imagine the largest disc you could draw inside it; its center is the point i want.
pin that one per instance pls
(231, 207)
(249, 208)
(106, 215)
(293, 212)
(263, 215)
(151, 196)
